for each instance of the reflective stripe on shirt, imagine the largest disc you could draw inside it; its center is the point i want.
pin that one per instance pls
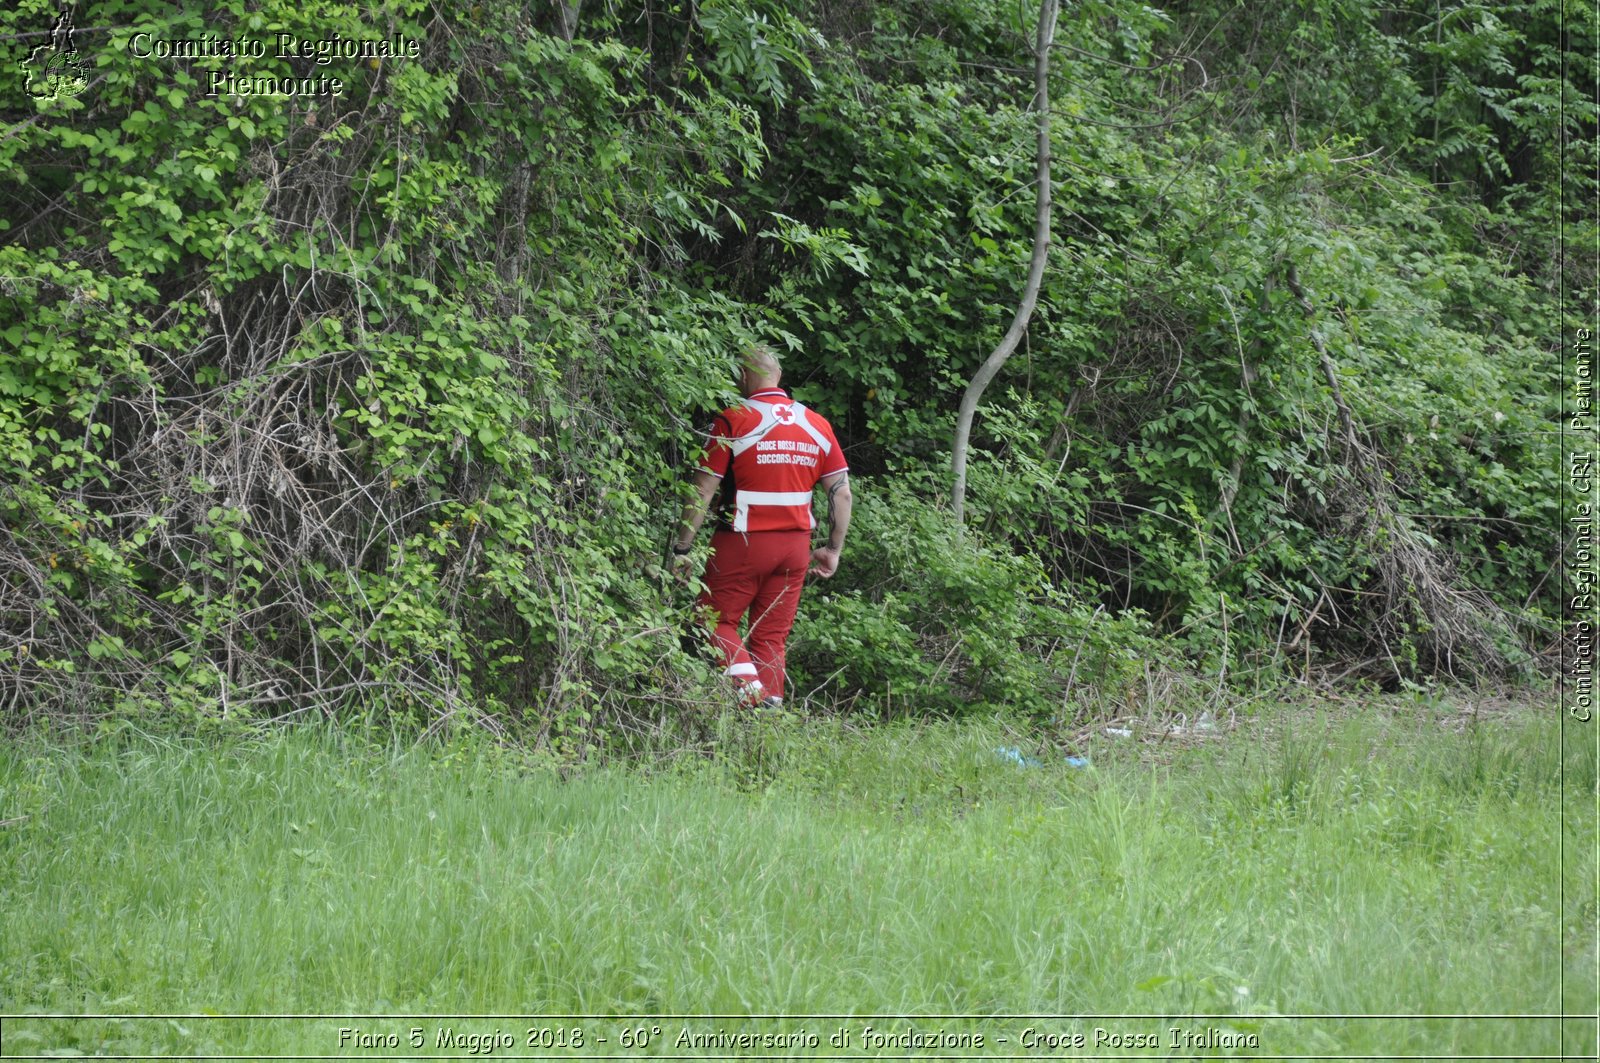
(743, 500)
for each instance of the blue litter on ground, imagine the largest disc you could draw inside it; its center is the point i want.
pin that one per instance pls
(1013, 754)
(1017, 757)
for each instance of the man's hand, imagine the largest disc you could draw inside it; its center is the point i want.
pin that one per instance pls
(694, 514)
(825, 559)
(682, 568)
(824, 562)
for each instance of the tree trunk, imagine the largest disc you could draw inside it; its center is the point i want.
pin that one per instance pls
(1330, 373)
(567, 16)
(1041, 246)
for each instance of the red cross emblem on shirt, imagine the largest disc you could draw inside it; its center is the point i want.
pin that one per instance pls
(784, 414)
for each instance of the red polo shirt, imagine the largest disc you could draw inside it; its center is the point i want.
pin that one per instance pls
(770, 452)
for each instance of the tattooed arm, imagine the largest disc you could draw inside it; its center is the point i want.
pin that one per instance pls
(825, 558)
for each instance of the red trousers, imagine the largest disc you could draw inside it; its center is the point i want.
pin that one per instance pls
(759, 573)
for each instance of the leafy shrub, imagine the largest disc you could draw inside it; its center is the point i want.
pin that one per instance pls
(920, 619)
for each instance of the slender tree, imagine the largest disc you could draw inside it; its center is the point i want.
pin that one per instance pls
(1048, 10)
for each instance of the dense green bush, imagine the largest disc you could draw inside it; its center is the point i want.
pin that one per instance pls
(380, 403)
(351, 403)
(932, 624)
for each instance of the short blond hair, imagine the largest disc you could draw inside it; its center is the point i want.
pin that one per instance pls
(763, 361)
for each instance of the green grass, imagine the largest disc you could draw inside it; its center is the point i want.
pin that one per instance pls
(1376, 864)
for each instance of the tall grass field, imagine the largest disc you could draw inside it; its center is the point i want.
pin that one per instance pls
(1394, 880)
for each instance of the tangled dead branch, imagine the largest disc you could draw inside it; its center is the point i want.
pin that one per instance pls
(1422, 615)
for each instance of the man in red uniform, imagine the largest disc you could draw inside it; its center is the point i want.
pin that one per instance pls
(766, 455)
